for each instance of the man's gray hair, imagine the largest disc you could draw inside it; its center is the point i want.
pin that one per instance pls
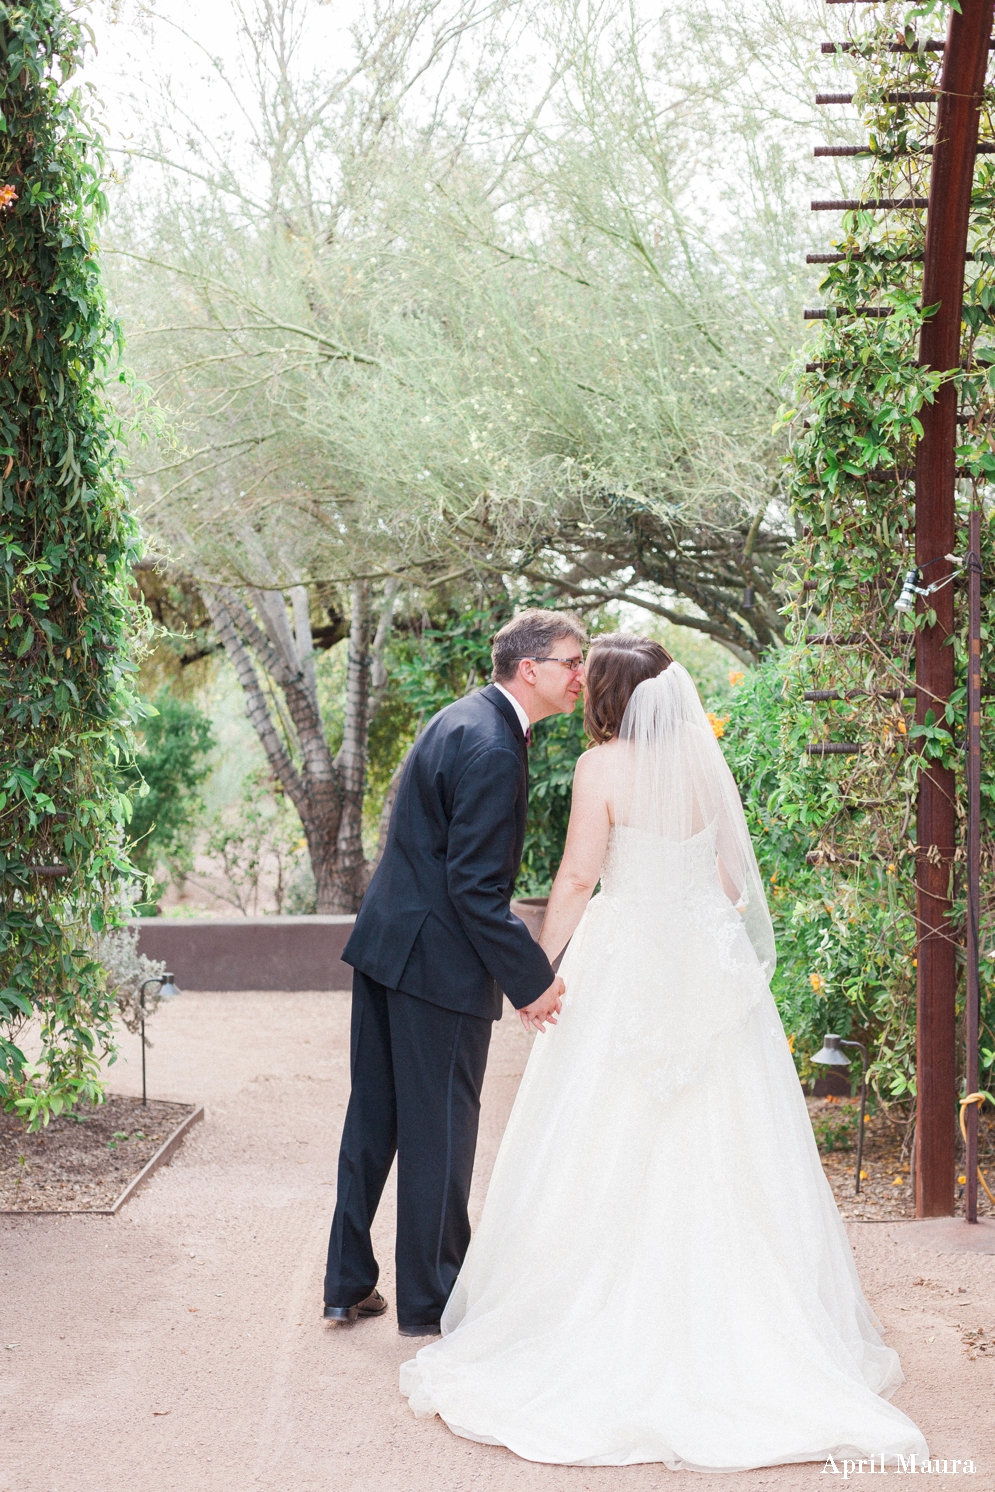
(530, 635)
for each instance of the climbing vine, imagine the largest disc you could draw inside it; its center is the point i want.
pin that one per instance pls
(67, 544)
(854, 755)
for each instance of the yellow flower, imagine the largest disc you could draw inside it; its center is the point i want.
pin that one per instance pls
(718, 723)
(791, 1043)
(961, 1180)
(736, 677)
(817, 982)
(890, 869)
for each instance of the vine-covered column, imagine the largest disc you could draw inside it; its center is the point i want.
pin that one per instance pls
(900, 392)
(67, 544)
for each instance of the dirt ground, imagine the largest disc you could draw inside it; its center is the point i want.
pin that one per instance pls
(82, 1162)
(886, 1189)
(178, 1347)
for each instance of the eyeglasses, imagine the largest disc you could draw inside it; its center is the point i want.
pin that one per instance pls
(574, 664)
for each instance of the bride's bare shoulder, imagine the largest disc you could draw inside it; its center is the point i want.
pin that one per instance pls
(594, 764)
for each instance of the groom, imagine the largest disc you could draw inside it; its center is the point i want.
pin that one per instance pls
(435, 943)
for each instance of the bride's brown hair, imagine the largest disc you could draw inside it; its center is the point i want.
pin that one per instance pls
(616, 663)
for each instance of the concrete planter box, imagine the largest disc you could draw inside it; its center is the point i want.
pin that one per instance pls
(288, 953)
(531, 909)
(235, 953)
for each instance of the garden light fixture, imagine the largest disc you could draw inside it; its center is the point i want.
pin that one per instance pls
(167, 991)
(911, 587)
(832, 1055)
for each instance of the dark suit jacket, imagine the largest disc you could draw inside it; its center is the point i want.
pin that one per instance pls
(436, 921)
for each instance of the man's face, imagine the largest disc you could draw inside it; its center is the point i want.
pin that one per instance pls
(557, 685)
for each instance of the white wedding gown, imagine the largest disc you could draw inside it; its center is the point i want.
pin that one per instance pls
(661, 1273)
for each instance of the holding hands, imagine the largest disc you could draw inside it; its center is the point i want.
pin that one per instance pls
(546, 1008)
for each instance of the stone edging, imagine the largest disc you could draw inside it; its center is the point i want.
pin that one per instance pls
(164, 1154)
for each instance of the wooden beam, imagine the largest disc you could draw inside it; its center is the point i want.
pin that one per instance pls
(965, 61)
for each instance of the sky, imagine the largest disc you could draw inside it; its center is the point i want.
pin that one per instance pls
(182, 45)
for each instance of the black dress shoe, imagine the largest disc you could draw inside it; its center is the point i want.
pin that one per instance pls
(373, 1305)
(430, 1329)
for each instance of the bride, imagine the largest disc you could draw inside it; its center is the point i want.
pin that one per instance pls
(660, 1273)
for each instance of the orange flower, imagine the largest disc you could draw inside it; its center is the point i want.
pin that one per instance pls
(718, 723)
(817, 982)
(736, 677)
(8, 196)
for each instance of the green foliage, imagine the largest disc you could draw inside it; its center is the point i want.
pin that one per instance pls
(66, 548)
(837, 1131)
(445, 662)
(392, 731)
(846, 923)
(845, 936)
(163, 781)
(556, 745)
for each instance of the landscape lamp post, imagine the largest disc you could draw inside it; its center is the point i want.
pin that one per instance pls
(832, 1056)
(167, 991)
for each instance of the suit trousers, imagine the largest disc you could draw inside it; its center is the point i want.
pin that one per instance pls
(417, 1071)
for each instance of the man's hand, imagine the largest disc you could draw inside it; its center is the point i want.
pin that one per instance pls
(546, 1008)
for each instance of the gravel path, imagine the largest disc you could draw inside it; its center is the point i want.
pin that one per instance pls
(178, 1347)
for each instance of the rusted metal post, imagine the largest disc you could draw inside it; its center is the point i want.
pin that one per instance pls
(961, 82)
(972, 1004)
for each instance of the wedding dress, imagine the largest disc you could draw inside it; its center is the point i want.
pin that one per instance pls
(661, 1273)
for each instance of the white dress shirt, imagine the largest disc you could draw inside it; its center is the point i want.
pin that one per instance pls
(523, 719)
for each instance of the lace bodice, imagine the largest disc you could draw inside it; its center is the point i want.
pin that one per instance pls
(637, 864)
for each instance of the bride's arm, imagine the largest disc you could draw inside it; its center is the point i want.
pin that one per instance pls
(729, 886)
(583, 854)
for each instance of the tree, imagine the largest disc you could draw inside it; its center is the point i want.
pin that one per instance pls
(439, 328)
(67, 543)
(327, 791)
(541, 358)
(253, 566)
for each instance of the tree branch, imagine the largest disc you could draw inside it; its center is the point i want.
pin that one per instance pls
(255, 702)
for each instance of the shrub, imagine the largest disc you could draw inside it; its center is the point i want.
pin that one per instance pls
(164, 780)
(844, 960)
